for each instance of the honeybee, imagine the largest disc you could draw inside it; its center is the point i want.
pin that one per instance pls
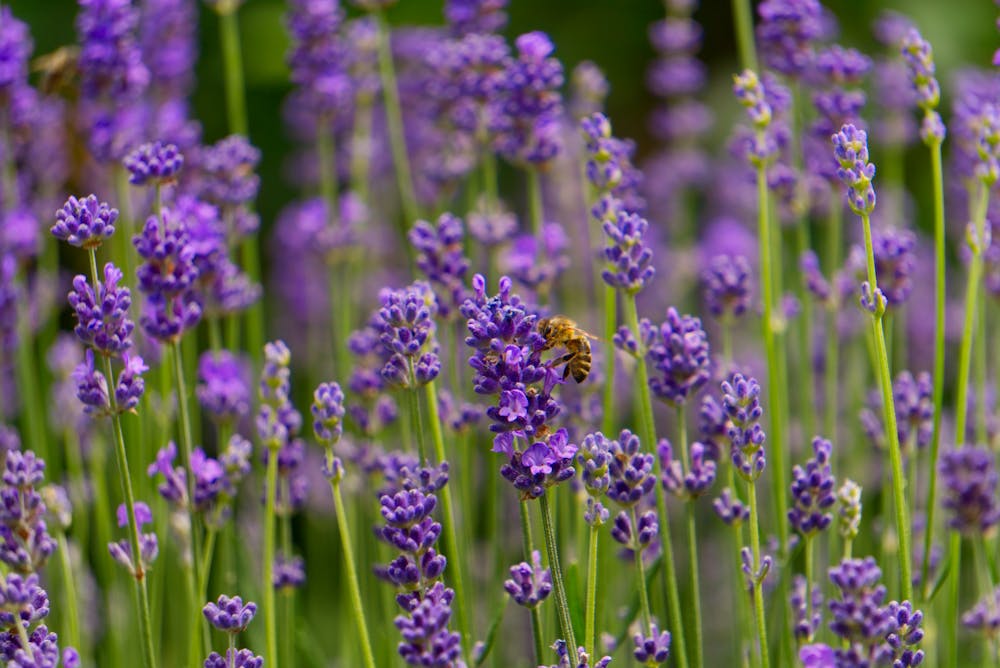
(561, 331)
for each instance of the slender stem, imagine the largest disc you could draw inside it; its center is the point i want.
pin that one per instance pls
(232, 63)
(888, 406)
(744, 34)
(394, 117)
(417, 421)
(529, 548)
(610, 326)
(774, 374)
(726, 325)
(267, 586)
(831, 398)
(22, 633)
(950, 631)
(640, 570)
(968, 328)
(357, 608)
(980, 365)
(535, 204)
(591, 612)
(448, 508)
(559, 588)
(692, 540)
(125, 477)
(648, 436)
(807, 386)
(809, 558)
(69, 584)
(758, 588)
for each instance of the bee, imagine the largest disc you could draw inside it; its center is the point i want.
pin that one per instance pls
(58, 69)
(560, 331)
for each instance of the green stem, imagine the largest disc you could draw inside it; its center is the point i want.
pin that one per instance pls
(889, 409)
(807, 386)
(357, 608)
(692, 540)
(743, 16)
(535, 204)
(69, 584)
(529, 548)
(830, 394)
(610, 326)
(142, 595)
(267, 586)
(768, 268)
(950, 631)
(232, 63)
(640, 570)
(559, 588)
(648, 436)
(758, 588)
(968, 328)
(394, 117)
(807, 548)
(448, 509)
(591, 612)
(980, 353)
(416, 418)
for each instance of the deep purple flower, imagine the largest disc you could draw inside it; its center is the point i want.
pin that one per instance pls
(562, 651)
(726, 284)
(895, 261)
(984, 616)
(906, 636)
(164, 243)
(173, 488)
(277, 420)
(807, 608)
(594, 459)
(426, 638)
(817, 656)
(243, 658)
(25, 544)
(529, 584)
(91, 387)
(850, 147)
(110, 62)
(226, 172)
(84, 222)
(441, 258)
(741, 401)
(318, 55)
(15, 50)
(528, 124)
(700, 474)
(652, 650)
(812, 491)
(289, 572)
(130, 385)
(102, 318)
(680, 358)
(405, 325)
(919, 57)
(629, 260)
(223, 385)
(149, 547)
(630, 470)
(230, 614)
(969, 481)
(730, 509)
(328, 413)
(786, 33)
(541, 465)
(914, 412)
(154, 162)
(475, 16)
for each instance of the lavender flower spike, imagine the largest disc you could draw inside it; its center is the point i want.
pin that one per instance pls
(230, 614)
(154, 162)
(84, 222)
(529, 584)
(850, 147)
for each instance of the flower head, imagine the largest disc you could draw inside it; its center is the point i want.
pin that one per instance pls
(84, 222)
(529, 584)
(230, 614)
(813, 491)
(969, 479)
(154, 162)
(679, 352)
(850, 148)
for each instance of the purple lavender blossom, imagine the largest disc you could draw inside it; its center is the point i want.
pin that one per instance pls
(405, 325)
(529, 584)
(969, 481)
(802, 602)
(652, 650)
(562, 651)
(110, 62)
(786, 33)
(442, 260)
(154, 162)
(475, 16)
(223, 385)
(84, 222)
(15, 50)
(726, 284)
(25, 544)
(741, 401)
(230, 615)
(680, 356)
(594, 459)
(318, 56)
(91, 387)
(539, 466)
(919, 57)
(149, 547)
(850, 147)
(750, 93)
(812, 491)
(102, 320)
(629, 260)
(730, 509)
(328, 413)
(243, 658)
(426, 638)
(700, 475)
(226, 175)
(984, 616)
(289, 572)
(914, 412)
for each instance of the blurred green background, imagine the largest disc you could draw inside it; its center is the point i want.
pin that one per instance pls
(611, 33)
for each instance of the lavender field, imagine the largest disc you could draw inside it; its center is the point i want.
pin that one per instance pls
(456, 373)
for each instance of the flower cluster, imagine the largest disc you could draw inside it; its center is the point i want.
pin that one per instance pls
(443, 261)
(155, 163)
(223, 385)
(850, 147)
(914, 412)
(813, 491)
(232, 617)
(405, 326)
(679, 352)
(149, 546)
(529, 584)
(741, 401)
(25, 543)
(726, 283)
(700, 475)
(85, 222)
(969, 479)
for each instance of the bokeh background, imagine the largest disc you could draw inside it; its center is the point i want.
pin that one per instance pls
(612, 33)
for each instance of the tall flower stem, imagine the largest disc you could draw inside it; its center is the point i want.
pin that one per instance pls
(648, 431)
(640, 571)
(743, 15)
(980, 365)
(357, 608)
(940, 299)
(758, 584)
(807, 386)
(774, 367)
(142, 595)
(69, 587)
(448, 508)
(950, 631)
(536, 206)
(361, 145)
(692, 540)
(267, 586)
(416, 420)
(610, 326)
(394, 118)
(232, 64)
(529, 548)
(969, 324)
(889, 410)
(832, 370)
(558, 585)
(591, 612)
